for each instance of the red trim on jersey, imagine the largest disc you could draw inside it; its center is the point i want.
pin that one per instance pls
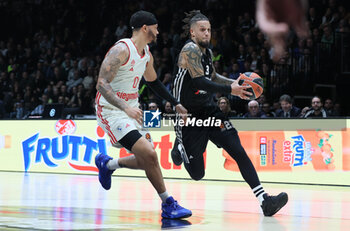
(105, 122)
(126, 46)
(141, 56)
(98, 94)
(129, 53)
(149, 53)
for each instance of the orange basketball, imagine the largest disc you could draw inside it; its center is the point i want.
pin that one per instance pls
(255, 81)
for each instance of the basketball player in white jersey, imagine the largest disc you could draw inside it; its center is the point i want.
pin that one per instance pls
(118, 111)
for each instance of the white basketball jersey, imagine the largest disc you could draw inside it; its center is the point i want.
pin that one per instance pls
(126, 82)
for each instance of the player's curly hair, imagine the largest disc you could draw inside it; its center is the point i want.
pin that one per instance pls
(192, 17)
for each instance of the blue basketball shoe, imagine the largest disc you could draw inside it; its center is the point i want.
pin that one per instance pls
(172, 210)
(104, 174)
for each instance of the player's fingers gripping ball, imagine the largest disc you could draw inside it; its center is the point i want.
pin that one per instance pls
(254, 81)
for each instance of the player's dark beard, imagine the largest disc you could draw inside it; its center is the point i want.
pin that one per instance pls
(154, 37)
(203, 44)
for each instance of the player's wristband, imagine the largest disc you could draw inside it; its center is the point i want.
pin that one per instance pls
(202, 83)
(159, 88)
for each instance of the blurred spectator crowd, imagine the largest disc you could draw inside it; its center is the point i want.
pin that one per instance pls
(51, 52)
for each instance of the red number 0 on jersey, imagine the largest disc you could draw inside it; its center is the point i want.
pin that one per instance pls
(136, 81)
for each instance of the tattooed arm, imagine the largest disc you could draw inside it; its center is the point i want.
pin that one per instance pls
(116, 56)
(190, 59)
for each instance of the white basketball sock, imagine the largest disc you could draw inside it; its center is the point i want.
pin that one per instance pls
(113, 164)
(163, 196)
(259, 192)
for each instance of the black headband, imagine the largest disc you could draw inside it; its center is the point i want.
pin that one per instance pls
(141, 18)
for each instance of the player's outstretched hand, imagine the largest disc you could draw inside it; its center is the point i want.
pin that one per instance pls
(275, 17)
(182, 111)
(240, 91)
(135, 113)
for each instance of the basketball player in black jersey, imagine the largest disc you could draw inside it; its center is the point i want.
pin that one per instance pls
(194, 85)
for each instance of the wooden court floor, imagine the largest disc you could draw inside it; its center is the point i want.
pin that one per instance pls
(38, 201)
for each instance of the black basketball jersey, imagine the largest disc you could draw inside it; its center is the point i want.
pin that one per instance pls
(184, 91)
